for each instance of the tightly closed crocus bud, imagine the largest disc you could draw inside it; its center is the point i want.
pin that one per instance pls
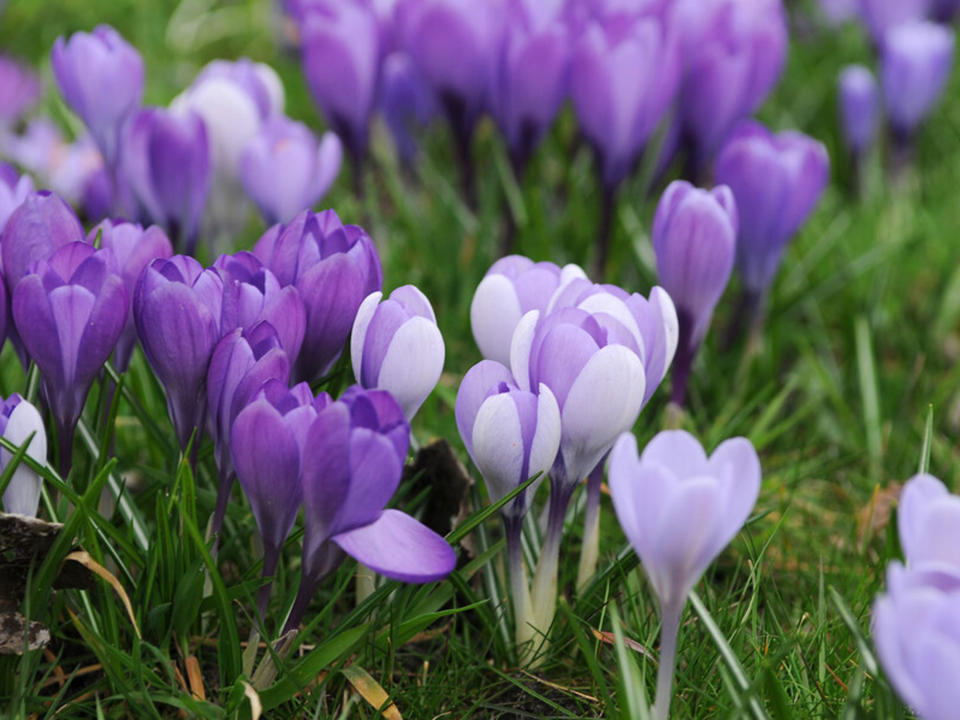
(734, 52)
(335, 267)
(267, 441)
(133, 248)
(513, 286)
(341, 61)
(258, 80)
(167, 164)
(928, 520)
(881, 16)
(18, 421)
(679, 509)
(101, 77)
(915, 631)
(396, 346)
(694, 238)
(776, 181)
(916, 63)
(351, 465)
(69, 311)
(19, 89)
(177, 306)
(285, 170)
(14, 189)
(406, 102)
(859, 107)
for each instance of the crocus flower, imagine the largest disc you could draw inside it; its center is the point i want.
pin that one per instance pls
(351, 465)
(166, 161)
(101, 77)
(69, 311)
(132, 248)
(260, 82)
(881, 16)
(285, 169)
(943, 11)
(694, 238)
(335, 267)
(405, 101)
(267, 440)
(836, 12)
(916, 63)
(18, 421)
(776, 181)
(341, 61)
(859, 107)
(14, 189)
(915, 630)
(176, 307)
(928, 520)
(734, 52)
(396, 346)
(679, 509)
(19, 89)
(513, 286)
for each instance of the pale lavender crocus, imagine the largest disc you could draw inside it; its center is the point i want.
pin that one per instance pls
(881, 16)
(395, 345)
(679, 509)
(19, 90)
(19, 420)
(928, 520)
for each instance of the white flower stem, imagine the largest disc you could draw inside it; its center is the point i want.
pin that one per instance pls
(669, 632)
(544, 594)
(366, 583)
(519, 588)
(590, 550)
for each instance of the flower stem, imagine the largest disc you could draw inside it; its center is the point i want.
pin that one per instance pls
(683, 360)
(270, 558)
(669, 632)
(519, 587)
(590, 549)
(544, 594)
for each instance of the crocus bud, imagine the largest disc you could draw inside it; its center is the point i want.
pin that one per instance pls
(14, 189)
(69, 311)
(943, 11)
(914, 630)
(511, 434)
(881, 16)
(776, 181)
(341, 60)
(859, 107)
(101, 77)
(915, 65)
(19, 89)
(928, 520)
(405, 101)
(396, 346)
(166, 160)
(513, 285)
(694, 238)
(132, 249)
(258, 80)
(176, 307)
(18, 420)
(335, 267)
(285, 170)
(624, 75)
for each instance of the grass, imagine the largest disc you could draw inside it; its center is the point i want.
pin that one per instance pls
(860, 347)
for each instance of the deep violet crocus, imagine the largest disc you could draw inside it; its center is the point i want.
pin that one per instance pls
(267, 440)
(132, 248)
(396, 346)
(101, 77)
(915, 64)
(351, 465)
(859, 104)
(69, 311)
(167, 163)
(776, 181)
(14, 189)
(18, 421)
(177, 307)
(694, 239)
(405, 101)
(334, 266)
(679, 509)
(284, 169)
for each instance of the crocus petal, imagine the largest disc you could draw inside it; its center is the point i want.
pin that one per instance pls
(498, 445)
(678, 450)
(918, 495)
(358, 335)
(494, 314)
(475, 387)
(22, 495)
(411, 382)
(520, 347)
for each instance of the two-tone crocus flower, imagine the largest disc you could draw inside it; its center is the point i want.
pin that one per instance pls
(19, 420)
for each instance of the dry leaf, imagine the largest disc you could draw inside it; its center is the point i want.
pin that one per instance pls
(256, 708)
(609, 639)
(83, 557)
(371, 691)
(196, 677)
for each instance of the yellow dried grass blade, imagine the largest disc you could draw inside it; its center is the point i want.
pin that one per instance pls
(83, 557)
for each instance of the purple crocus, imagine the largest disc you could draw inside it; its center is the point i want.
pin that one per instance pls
(258, 80)
(14, 189)
(69, 312)
(881, 16)
(341, 62)
(396, 346)
(928, 520)
(776, 181)
(285, 169)
(267, 441)
(19, 90)
(18, 421)
(132, 249)
(335, 267)
(166, 161)
(101, 77)
(177, 307)
(694, 238)
(351, 465)
(943, 11)
(859, 101)
(915, 65)
(406, 102)
(513, 286)
(679, 509)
